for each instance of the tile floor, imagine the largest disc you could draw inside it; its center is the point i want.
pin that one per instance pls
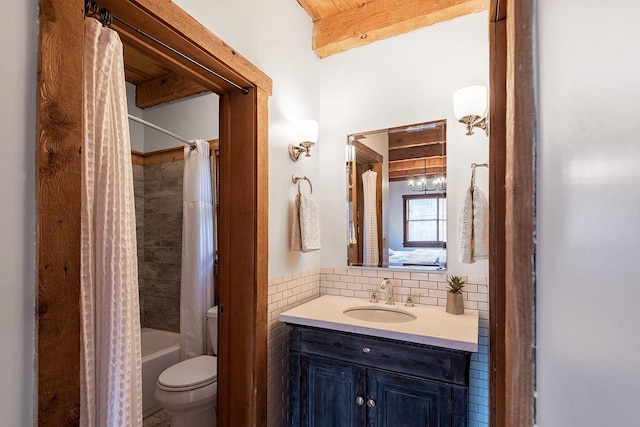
(161, 418)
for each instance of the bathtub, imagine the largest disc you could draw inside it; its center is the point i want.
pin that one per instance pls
(160, 349)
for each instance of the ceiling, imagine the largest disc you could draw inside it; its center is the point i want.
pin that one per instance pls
(339, 25)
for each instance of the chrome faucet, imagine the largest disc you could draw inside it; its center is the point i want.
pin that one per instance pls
(388, 286)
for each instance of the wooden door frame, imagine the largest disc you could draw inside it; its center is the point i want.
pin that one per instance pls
(243, 219)
(512, 214)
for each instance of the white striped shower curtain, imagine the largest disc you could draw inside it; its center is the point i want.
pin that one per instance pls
(370, 257)
(110, 371)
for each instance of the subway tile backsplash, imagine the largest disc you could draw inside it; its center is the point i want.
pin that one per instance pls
(292, 289)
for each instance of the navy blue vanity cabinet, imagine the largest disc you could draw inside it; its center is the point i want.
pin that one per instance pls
(343, 380)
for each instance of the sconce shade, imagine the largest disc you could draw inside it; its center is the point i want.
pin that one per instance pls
(307, 134)
(351, 153)
(470, 101)
(307, 131)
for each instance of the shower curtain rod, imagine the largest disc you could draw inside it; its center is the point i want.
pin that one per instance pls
(192, 145)
(93, 10)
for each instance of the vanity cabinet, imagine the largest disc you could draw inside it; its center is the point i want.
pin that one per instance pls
(342, 379)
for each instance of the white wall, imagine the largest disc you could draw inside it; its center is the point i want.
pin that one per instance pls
(136, 130)
(194, 117)
(17, 218)
(276, 36)
(588, 287)
(402, 80)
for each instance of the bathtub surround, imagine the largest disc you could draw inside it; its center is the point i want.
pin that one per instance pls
(292, 289)
(110, 359)
(158, 188)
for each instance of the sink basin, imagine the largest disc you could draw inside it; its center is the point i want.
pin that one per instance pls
(379, 314)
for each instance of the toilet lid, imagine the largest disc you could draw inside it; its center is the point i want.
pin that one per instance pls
(190, 374)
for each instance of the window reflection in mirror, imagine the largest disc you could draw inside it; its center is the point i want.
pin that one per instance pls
(397, 204)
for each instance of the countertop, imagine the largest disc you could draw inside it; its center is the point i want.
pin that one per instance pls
(433, 325)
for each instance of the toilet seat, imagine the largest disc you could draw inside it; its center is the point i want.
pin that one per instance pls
(190, 374)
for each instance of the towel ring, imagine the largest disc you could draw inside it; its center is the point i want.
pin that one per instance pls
(473, 171)
(297, 179)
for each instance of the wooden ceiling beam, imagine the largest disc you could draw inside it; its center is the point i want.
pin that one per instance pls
(167, 88)
(409, 139)
(418, 163)
(381, 19)
(402, 175)
(418, 151)
(170, 60)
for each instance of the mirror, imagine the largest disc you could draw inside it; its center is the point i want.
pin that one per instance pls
(397, 198)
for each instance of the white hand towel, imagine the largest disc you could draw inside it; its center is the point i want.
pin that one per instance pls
(296, 239)
(480, 225)
(305, 233)
(473, 227)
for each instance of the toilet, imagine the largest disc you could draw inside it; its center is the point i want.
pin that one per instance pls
(189, 389)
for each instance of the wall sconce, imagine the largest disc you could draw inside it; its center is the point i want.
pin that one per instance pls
(470, 107)
(307, 132)
(351, 150)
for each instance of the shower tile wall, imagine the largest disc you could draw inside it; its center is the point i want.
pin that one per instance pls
(138, 191)
(159, 265)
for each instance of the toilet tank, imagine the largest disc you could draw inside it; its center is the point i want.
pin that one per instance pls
(212, 326)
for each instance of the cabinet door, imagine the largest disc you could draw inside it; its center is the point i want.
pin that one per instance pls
(329, 393)
(402, 400)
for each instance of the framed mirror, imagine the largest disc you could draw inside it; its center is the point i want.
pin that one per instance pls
(397, 197)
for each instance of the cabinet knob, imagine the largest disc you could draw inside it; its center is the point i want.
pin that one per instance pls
(360, 400)
(366, 350)
(371, 403)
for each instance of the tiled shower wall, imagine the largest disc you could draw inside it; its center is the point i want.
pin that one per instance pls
(159, 222)
(293, 289)
(138, 191)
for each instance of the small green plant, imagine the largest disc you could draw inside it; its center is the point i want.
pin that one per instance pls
(456, 284)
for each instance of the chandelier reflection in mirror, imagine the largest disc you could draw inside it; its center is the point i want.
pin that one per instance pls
(426, 183)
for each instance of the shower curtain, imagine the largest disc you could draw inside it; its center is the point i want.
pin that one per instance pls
(196, 290)
(370, 256)
(111, 375)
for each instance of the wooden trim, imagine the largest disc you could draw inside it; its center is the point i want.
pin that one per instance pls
(169, 23)
(380, 19)
(520, 216)
(167, 88)
(512, 216)
(168, 155)
(497, 210)
(137, 158)
(59, 174)
(242, 224)
(242, 381)
(497, 10)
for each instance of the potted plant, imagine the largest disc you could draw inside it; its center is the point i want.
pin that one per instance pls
(455, 303)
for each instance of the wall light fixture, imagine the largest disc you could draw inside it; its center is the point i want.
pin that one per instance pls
(307, 132)
(470, 107)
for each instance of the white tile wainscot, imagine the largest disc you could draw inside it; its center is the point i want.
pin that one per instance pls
(285, 292)
(428, 288)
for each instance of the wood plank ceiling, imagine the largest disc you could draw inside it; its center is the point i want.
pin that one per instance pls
(416, 150)
(156, 81)
(339, 25)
